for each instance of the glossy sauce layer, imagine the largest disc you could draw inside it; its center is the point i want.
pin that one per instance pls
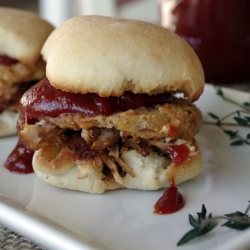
(179, 153)
(20, 159)
(45, 100)
(7, 60)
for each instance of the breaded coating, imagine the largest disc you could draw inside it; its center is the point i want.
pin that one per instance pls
(154, 123)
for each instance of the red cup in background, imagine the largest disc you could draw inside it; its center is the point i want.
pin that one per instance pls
(218, 31)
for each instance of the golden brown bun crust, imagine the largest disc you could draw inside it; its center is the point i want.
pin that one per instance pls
(108, 56)
(22, 34)
(151, 172)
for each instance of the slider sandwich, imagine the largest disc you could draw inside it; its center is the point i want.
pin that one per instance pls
(22, 35)
(116, 107)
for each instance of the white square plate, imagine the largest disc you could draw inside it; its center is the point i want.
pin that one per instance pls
(124, 219)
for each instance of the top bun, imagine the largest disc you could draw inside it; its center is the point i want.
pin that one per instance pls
(108, 56)
(22, 34)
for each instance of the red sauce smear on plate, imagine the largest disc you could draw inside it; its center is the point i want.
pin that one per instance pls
(171, 201)
(7, 60)
(20, 159)
(45, 100)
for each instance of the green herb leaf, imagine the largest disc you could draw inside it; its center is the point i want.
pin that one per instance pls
(241, 121)
(213, 116)
(209, 227)
(220, 92)
(202, 214)
(247, 104)
(237, 143)
(192, 221)
(201, 227)
(247, 118)
(236, 214)
(236, 225)
(190, 235)
(237, 220)
(231, 133)
(242, 223)
(196, 232)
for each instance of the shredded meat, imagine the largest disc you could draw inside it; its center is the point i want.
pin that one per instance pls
(87, 158)
(113, 167)
(12, 79)
(114, 151)
(100, 138)
(140, 145)
(39, 135)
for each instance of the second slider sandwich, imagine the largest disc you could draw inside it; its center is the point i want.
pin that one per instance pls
(107, 115)
(22, 34)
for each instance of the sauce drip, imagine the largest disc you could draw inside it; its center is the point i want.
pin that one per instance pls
(20, 159)
(171, 201)
(7, 60)
(179, 153)
(45, 100)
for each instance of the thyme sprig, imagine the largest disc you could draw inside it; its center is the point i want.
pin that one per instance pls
(240, 116)
(245, 105)
(203, 225)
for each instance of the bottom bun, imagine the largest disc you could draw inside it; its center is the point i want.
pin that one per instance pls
(151, 173)
(8, 119)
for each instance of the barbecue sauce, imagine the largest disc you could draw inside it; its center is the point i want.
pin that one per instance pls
(45, 100)
(20, 159)
(7, 60)
(171, 201)
(179, 153)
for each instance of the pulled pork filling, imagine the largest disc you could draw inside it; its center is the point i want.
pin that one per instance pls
(103, 147)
